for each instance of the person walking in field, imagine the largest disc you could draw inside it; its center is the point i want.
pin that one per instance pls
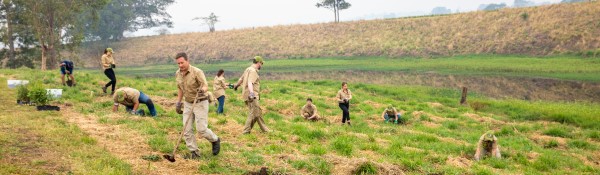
(108, 64)
(309, 111)
(191, 83)
(250, 93)
(344, 96)
(219, 87)
(66, 68)
(131, 99)
(390, 114)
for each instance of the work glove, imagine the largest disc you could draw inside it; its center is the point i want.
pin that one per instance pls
(236, 87)
(230, 86)
(178, 108)
(132, 112)
(396, 122)
(113, 66)
(387, 120)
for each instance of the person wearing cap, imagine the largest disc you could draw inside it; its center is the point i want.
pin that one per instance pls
(343, 97)
(192, 88)
(219, 86)
(309, 111)
(108, 64)
(66, 68)
(131, 99)
(390, 114)
(250, 94)
(487, 146)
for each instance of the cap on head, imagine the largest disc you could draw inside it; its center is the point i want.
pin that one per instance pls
(110, 50)
(488, 136)
(259, 59)
(120, 95)
(390, 106)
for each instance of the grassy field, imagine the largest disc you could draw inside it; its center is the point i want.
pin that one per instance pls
(439, 136)
(563, 67)
(546, 30)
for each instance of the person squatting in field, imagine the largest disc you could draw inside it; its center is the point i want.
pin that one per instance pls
(390, 114)
(193, 90)
(309, 111)
(250, 82)
(131, 99)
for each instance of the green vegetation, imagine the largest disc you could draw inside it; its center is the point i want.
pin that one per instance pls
(430, 141)
(561, 67)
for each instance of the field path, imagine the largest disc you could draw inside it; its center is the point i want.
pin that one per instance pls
(128, 145)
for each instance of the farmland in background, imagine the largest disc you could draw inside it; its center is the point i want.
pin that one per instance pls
(540, 31)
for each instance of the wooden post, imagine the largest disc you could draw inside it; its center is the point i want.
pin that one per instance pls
(463, 99)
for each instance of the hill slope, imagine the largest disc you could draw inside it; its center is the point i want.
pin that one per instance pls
(529, 31)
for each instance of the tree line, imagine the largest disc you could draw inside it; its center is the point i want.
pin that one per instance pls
(42, 29)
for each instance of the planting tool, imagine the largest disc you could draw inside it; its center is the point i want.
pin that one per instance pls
(171, 157)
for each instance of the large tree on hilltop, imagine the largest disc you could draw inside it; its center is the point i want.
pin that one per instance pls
(335, 6)
(120, 16)
(210, 20)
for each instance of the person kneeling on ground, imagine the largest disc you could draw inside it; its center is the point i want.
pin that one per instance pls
(132, 98)
(390, 114)
(309, 111)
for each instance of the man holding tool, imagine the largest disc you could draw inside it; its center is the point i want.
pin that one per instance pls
(193, 87)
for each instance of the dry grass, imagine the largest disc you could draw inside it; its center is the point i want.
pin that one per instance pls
(549, 29)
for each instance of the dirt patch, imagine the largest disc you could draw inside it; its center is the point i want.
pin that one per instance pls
(460, 162)
(31, 153)
(483, 119)
(343, 165)
(434, 118)
(430, 124)
(164, 102)
(544, 139)
(375, 105)
(128, 145)
(532, 156)
(435, 105)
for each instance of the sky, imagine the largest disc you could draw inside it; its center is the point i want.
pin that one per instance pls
(237, 14)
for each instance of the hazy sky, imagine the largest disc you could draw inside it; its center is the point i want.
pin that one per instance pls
(235, 14)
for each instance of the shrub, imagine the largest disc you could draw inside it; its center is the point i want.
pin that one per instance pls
(38, 94)
(22, 93)
(366, 168)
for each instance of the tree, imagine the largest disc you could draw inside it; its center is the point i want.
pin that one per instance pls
(440, 11)
(120, 16)
(54, 22)
(335, 6)
(210, 20)
(8, 14)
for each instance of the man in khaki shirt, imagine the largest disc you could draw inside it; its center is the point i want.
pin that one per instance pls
(250, 94)
(131, 99)
(191, 82)
(309, 111)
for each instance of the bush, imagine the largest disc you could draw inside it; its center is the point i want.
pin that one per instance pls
(38, 94)
(22, 93)
(366, 168)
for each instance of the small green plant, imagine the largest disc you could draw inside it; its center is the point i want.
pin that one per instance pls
(551, 144)
(524, 16)
(477, 106)
(22, 93)
(558, 132)
(152, 157)
(38, 94)
(366, 168)
(582, 144)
